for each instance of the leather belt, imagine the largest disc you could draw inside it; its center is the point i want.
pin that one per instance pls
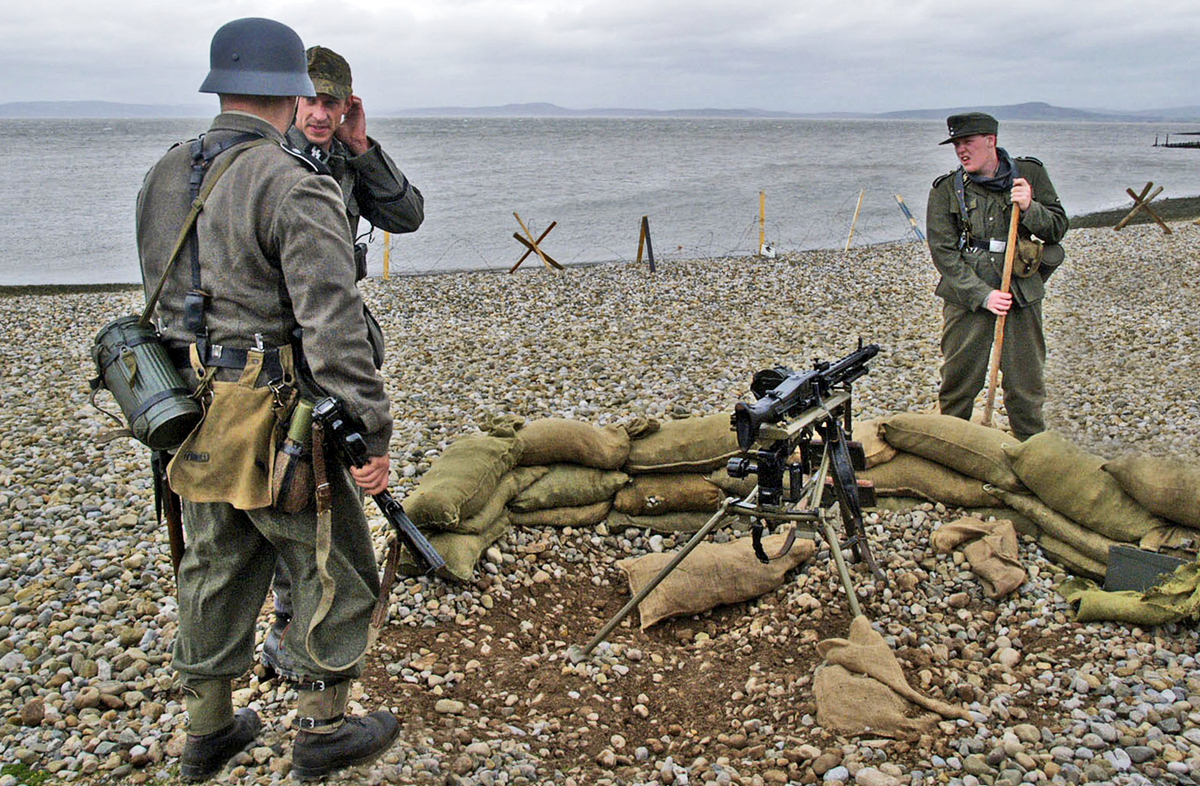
(230, 357)
(995, 245)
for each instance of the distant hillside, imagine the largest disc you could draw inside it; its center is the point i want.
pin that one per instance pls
(98, 109)
(1035, 110)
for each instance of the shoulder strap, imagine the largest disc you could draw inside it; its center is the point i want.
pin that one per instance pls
(210, 182)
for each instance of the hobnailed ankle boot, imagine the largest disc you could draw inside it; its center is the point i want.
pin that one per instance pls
(215, 733)
(274, 656)
(328, 741)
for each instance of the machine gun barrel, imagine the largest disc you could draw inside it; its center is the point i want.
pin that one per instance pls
(328, 412)
(794, 392)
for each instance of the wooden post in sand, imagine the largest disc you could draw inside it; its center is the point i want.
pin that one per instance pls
(854, 222)
(762, 222)
(909, 216)
(644, 242)
(387, 255)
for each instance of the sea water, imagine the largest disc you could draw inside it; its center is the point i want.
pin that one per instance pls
(69, 186)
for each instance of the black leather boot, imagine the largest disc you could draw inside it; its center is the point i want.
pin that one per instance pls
(328, 741)
(205, 755)
(274, 656)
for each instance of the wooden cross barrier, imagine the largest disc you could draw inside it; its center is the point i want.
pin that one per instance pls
(1142, 202)
(644, 242)
(531, 245)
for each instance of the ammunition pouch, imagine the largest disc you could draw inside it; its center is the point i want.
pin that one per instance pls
(360, 261)
(1028, 259)
(230, 456)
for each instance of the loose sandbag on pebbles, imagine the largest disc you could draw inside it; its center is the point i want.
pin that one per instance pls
(1167, 487)
(1071, 481)
(969, 448)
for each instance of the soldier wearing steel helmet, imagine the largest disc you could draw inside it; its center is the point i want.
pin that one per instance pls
(271, 252)
(967, 222)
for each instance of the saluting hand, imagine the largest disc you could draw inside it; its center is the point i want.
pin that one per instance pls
(373, 476)
(1022, 193)
(353, 130)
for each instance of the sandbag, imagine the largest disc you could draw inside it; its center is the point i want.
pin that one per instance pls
(1066, 555)
(658, 494)
(579, 516)
(461, 550)
(1176, 598)
(968, 448)
(461, 481)
(565, 441)
(1071, 481)
(569, 486)
(875, 447)
(990, 548)
(683, 521)
(1091, 544)
(712, 575)
(696, 444)
(861, 689)
(1024, 525)
(908, 475)
(512, 484)
(1167, 487)
(1177, 541)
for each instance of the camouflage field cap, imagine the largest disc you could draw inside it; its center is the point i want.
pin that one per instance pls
(329, 71)
(958, 125)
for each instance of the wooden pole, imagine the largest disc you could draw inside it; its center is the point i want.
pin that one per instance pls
(854, 222)
(1139, 202)
(1010, 252)
(762, 221)
(387, 255)
(649, 245)
(909, 216)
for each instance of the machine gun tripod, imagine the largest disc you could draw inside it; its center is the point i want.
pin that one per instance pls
(795, 440)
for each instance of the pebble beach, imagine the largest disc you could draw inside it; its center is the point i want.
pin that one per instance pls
(479, 672)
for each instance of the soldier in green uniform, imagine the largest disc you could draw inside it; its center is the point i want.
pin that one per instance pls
(331, 127)
(967, 223)
(270, 253)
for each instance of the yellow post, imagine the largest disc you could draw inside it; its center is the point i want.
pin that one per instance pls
(857, 208)
(387, 255)
(762, 221)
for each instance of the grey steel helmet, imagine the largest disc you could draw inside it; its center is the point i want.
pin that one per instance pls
(257, 57)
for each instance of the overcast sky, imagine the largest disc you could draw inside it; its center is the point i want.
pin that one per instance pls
(792, 55)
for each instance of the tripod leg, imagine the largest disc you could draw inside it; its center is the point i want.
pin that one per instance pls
(843, 572)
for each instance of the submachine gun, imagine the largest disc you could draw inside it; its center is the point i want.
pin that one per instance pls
(329, 413)
(795, 440)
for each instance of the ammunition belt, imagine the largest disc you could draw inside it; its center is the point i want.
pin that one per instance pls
(230, 357)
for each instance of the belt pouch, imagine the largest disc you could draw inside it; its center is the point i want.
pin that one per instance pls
(293, 487)
(229, 456)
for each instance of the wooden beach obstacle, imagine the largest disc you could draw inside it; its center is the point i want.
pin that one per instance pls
(912, 221)
(1142, 202)
(765, 249)
(854, 221)
(532, 246)
(644, 243)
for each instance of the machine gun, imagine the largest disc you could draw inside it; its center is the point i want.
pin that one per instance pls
(794, 438)
(329, 414)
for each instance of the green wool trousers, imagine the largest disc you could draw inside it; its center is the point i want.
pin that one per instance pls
(226, 572)
(966, 352)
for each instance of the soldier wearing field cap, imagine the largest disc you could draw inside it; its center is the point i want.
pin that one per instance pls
(967, 223)
(331, 128)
